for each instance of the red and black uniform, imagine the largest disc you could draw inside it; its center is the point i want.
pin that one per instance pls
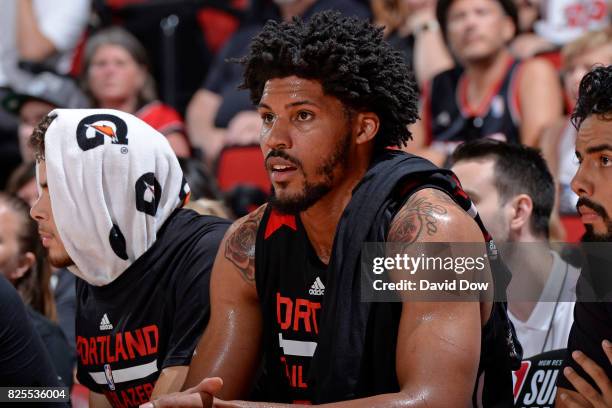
(291, 284)
(449, 118)
(295, 289)
(151, 316)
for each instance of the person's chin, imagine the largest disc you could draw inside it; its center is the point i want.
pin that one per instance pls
(594, 234)
(60, 261)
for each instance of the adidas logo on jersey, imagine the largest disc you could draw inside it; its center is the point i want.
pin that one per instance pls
(105, 324)
(317, 288)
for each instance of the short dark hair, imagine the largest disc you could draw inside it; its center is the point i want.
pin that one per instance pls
(443, 6)
(594, 95)
(351, 60)
(518, 169)
(37, 140)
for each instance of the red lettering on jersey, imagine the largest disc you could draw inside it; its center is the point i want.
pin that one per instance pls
(300, 382)
(148, 333)
(81, 346)
(93, 352)
(132, 344)
(288, 316)
(295, 374)
(130, 397)
(125, 346)
(119, 347)
(302, 311)
(280, 300)
(126, 399)
(314, 306)
(148, 388)
(114, 400)
(101, 340)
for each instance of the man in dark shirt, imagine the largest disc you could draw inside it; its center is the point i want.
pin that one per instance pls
(489, 94)
(111, 192)
(332, 96)
(588, 345)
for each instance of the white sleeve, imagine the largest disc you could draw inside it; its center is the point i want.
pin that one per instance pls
(62, 22)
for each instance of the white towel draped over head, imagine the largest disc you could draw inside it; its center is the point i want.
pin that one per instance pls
(113, 181)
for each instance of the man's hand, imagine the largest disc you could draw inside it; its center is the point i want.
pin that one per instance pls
(587, 396)
(200, 396)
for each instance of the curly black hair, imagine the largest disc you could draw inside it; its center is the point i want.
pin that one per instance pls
(594, 95)
(350, 59)
(37, 139)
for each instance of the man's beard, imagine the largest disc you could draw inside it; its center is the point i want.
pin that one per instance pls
(311, 192)
(590, 235)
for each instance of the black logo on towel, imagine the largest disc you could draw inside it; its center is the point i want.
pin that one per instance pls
(117, 242)
(148, 194)
(93, 130)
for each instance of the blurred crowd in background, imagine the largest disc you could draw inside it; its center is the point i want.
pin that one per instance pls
(173, 64)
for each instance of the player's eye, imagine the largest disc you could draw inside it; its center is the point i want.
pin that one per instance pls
(304, 116)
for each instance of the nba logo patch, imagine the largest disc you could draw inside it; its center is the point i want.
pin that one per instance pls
(497, 106)
(108, 373)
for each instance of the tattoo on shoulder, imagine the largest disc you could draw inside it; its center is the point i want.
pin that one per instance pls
(240, 245)
(419, 216)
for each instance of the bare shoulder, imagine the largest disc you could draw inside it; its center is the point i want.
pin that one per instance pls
(537, 68)
(239, 243)
(431, 215)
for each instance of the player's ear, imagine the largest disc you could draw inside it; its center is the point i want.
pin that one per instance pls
(522, 210)
(367, 124)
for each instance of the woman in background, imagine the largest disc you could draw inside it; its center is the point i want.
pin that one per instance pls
(23, 262)
(116, 76)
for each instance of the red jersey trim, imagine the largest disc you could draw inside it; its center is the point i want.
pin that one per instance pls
(480, 110)
(277, 220)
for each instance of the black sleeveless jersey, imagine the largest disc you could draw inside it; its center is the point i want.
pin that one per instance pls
(320, 342)
(291, 292)
(450, 119)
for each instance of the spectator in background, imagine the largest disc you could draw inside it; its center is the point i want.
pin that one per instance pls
(412, 28)
(23, 262)
(33, 100)
(42, 32)
(219, 114)
(22, 183)
(559, 140)
(563, 21)
(546, 26)
(527, 43)
(489, 94)
(181, 38)
(116, 76)
(39, 34)
(514, 193)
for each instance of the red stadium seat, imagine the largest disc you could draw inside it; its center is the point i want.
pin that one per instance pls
(574, 228)
(241, 165)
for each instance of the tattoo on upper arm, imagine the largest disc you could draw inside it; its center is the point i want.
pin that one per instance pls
(240, 246)
(419, 216)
